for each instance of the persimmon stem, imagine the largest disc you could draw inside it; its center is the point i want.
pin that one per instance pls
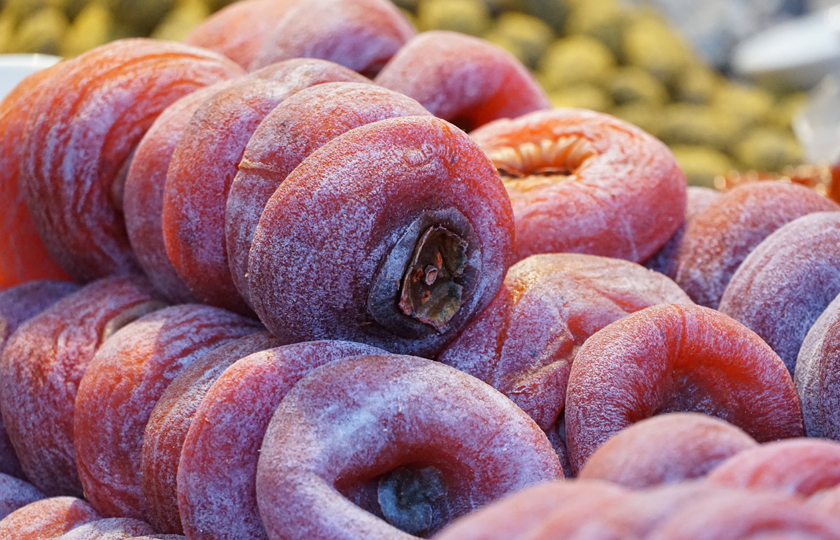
(407, 498)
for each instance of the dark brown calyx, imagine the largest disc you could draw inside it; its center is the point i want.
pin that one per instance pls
(130, 315)
(428, 275)
(546, 158)
(408, 497)
(430, 292)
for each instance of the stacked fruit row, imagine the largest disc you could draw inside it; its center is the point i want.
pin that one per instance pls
(310, 305)
(598, 55)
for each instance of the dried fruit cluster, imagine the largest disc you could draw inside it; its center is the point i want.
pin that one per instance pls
(309, 305)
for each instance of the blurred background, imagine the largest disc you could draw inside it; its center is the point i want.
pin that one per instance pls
(738, 89)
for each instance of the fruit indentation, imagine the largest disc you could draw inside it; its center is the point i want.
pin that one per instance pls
(532, 164)
(430, 290)
(407, 498)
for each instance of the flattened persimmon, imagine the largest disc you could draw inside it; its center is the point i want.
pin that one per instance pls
(144, 188)
(524, 342)
(677, 358)
(586, 182)
(239, 30)
(394, 234)
(665, 449)
(792, 467)
(171, 419)
(79, 138)
(294, 129)
(389, 446)
(665, 260)
(217, 473)
(746, 515)
(719, 239)
(204, 163)
(109, 529)
(18, 305)
(359, 34)
(23, 256)
(463, 79)
(46, 518)
(787, 281)
(638, 513)
(815, 375)
(42, 365)
(120, 388)
(520, 515)
(16, 493)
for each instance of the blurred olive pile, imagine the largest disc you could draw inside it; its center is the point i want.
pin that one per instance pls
(602, 55)
(71, 27)
(595, 54)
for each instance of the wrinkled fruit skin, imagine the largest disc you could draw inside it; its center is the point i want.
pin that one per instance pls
(79, 138)
(216, 480)
(665, 260)
(586, 182)
(16, 493)
(18, 305)
(47, 518)
(203, 165)
(793, 467)
(144, 190)
(291, 132)
(41, 368)
(23, 256)
(719, 239)
(814, 376)
(359, 34)
(344, 431)
(534, 509)
(665, 449)
(523, 344)
(330, 254)
(239, 30)
(465, 80)
(796, 272)
(677, 358)
(170, 421)
(121, 387)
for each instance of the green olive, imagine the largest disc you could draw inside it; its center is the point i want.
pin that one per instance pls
(498, 7)
(652, 45)
(749, 105)
(466, 16)
(181, 20)
(93, 27)
(8, 24)
(140, 14)
(787, 108)
(701, 164)
(582, 96)
(575, 60)
(697, 84)
(687, 123)
(42, 33)
(602, 19)
(23, 9)
(408, 5)
(523, 35)
(644, 115)
(630, 84)
(768, 149)
(553, 12)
